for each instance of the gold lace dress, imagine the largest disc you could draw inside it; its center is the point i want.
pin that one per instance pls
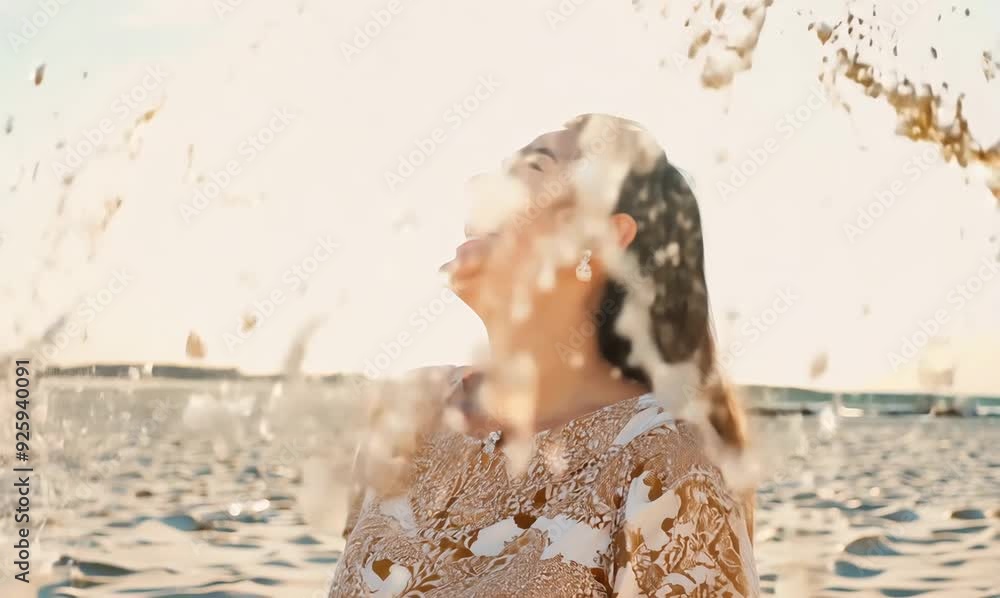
(620, 502)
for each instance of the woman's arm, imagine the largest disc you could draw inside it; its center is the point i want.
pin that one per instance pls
(680, 529)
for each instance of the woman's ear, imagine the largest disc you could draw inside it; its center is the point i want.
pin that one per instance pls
(625, 229)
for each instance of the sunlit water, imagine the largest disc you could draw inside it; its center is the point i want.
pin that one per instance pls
(205, 489)
(185, 489)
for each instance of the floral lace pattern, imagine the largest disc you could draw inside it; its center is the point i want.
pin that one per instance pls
(621, 502)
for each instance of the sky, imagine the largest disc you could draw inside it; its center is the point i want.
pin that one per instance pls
(341, 158)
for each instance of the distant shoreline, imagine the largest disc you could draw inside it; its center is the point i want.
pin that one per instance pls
(761, 399)
(184, 372)
(180, 372)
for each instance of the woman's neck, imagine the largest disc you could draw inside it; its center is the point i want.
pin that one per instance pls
(562, 384)
(548, 370)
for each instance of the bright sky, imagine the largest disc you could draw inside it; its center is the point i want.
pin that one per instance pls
(352, 116)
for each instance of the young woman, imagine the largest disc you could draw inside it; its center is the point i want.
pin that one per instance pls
(555, 470)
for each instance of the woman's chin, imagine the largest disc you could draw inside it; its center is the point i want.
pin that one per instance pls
(463, 277)
(466, 288)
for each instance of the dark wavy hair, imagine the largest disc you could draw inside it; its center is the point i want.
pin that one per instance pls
(669, 250)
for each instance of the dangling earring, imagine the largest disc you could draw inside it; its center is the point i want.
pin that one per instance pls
(583, 271)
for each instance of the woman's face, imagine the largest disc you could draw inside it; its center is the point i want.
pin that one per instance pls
(517, 232)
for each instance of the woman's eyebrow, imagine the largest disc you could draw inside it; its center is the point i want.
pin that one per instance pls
(540, 150)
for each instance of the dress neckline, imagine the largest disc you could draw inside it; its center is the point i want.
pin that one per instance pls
(493, 439)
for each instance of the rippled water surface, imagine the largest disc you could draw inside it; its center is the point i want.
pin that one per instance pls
(202, 489)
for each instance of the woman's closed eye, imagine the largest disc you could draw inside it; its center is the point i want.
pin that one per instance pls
(533, 162)
(538, 158)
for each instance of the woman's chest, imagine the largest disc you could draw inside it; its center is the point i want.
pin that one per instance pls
(468, 523)
(457, 485)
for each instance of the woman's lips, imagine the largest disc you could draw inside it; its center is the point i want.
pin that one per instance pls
(468, 258)
(471, 249)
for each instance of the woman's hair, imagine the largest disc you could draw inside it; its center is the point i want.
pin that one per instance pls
(668, 248)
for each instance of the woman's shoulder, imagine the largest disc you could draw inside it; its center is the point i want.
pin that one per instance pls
(672, 456)
(661, 444)
(675, 486)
